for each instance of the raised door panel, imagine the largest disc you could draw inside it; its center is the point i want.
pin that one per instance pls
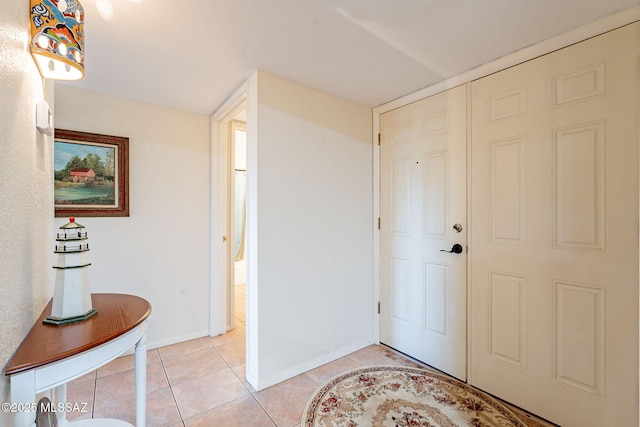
(554, 232)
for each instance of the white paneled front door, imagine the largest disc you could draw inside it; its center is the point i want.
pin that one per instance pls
(554, 233)
(423, 213)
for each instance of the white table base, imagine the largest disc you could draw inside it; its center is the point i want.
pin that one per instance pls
(26, 385)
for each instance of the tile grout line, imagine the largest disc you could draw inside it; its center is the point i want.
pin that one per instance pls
(95, 389)
(213, 347)
(264, 409)
(253, 394)
(170, 388)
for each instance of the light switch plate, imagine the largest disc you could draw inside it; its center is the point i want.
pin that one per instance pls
(44, 118)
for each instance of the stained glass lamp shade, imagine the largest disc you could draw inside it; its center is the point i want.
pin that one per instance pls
(57, 38)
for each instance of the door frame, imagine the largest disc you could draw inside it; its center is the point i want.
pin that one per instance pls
(592, 29)
(221, 317)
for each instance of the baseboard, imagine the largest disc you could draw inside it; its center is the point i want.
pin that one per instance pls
(175, 340)
(307, 365)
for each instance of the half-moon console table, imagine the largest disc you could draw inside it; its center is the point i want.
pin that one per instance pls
(51, 356)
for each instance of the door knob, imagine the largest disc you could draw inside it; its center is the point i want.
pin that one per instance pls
(456, 249)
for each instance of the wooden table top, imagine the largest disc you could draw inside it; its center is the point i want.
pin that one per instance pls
(45, 343)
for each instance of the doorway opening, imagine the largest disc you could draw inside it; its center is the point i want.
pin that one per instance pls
(238, 229)
(228, 127)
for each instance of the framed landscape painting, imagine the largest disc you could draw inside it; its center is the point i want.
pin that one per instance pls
(91, 174)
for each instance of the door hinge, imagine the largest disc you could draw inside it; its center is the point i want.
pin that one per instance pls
(378, 139)
(379, 223)
(378, 307)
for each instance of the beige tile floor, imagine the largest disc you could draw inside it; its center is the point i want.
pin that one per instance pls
(200, 383)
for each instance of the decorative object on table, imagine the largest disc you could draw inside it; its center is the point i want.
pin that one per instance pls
(91, 174)
(72, 294)
(57, 38)
(403, 396)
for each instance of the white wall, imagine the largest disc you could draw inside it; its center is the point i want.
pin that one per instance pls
(26, 194)
(161, 251)
(310, 248)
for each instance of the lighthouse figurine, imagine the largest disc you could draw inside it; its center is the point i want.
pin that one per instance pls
(72, 294)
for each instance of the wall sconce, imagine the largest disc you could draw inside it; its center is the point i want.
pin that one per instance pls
(57, 38)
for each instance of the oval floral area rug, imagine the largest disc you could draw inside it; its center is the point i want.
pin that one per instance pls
(390, 396)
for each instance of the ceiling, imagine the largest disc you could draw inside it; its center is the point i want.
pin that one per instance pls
(192, 54)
